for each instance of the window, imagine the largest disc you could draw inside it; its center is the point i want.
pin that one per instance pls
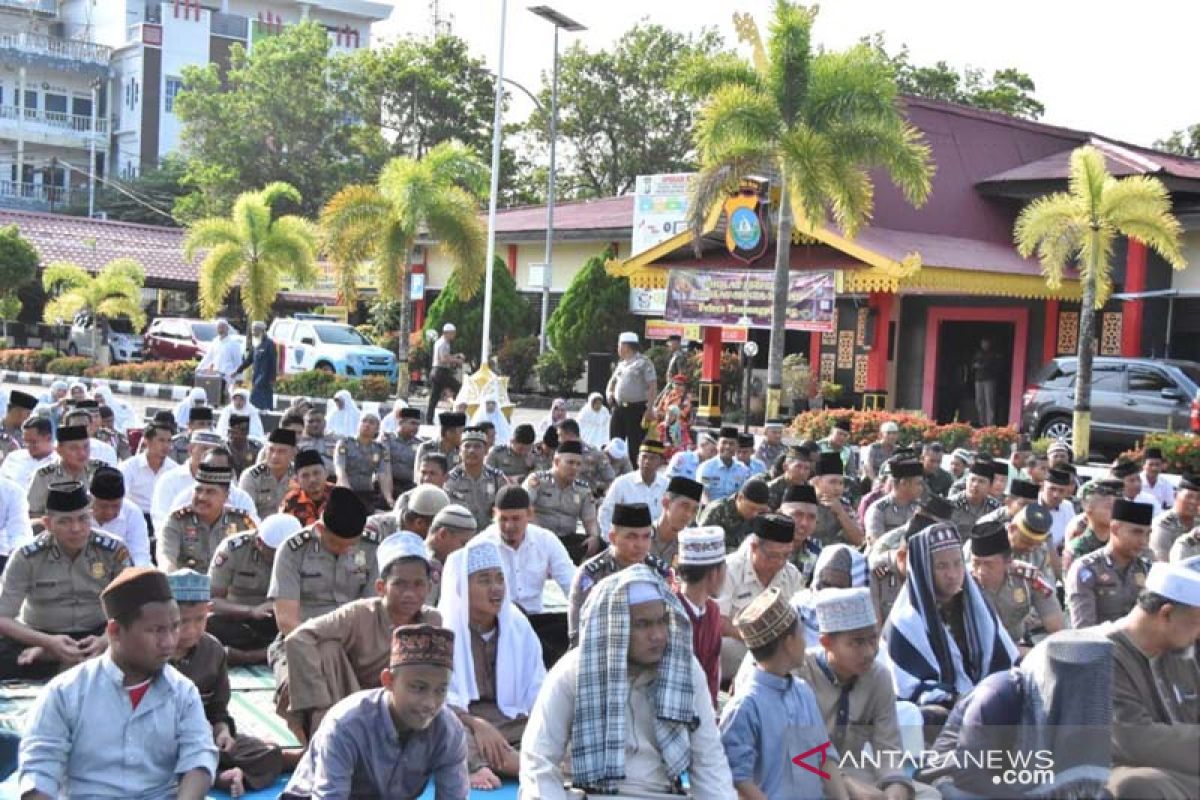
(173, 87)
(56, 103)
(1107, 380)
(31, 103)
(81, 106)
(131, 93)
(1148, 381)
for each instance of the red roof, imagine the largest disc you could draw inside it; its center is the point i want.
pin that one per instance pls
(605, 214)
(1122, 160)
(92, 243)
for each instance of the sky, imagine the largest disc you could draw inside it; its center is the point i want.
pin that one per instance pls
(1122, 70)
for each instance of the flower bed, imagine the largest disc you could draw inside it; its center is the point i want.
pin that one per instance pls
(915, 428)
(1181, 451)
(315, 383)
(181, 373)
(23, 360)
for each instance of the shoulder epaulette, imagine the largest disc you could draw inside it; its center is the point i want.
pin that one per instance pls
(658, 565)
(300, 539)
(37, 545)
(594, 565)
(105, 541)
(48, 469)
(582, 484)
(239, 539)
(180, 513)
(371, 536)
(258, 469)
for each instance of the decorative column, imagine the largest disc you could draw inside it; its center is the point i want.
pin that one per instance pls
(875, 397)
(1050, 331)
(1135, 281)
(708, 407)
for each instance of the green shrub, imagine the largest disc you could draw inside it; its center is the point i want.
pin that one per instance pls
(27, 360)
(511, 313)
(77, 366)
(556, 375)
(516, 359)
(315, 383)
(591, 313)
(181, 373)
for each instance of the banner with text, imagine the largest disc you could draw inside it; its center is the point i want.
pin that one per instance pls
(728, 297)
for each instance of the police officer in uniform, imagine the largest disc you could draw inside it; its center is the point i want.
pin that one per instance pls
(192, 533)
(975, 500)
(736, 514)
(633, 385)
(20, 407)
(324, 566)
(797, 470)
(1021, 493)
(74, 465)
(596, 469)
(1013, 587)
(243, 451)
(897, 506)
(1103, 586)
(561, 501)
(362, 464)
(629, 544)
(200, 418)
(473, 483)
(402, 450)
(50, 614)
(1178, 520)
(1186, 546)
(268, 482)
(515, 459)
(314, 437)
(451, 424)
(835, 517)
(772, 446)
(306, 500)
(243, 619)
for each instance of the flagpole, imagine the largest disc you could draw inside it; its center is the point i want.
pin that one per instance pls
(491, 240)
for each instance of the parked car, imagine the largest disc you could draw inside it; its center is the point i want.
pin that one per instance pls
(124, 344)
(1131, 397)
(308, 341)
(181, 339)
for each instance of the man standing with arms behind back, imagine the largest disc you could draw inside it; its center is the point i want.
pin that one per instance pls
(633, 385)
(264, 361)
(444, 365)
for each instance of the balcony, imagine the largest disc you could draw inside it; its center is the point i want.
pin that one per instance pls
(231, 26)
(48, 7)
(51, 128)
(74, 51)
(38, 196)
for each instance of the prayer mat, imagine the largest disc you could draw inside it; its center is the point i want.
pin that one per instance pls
(506, 792)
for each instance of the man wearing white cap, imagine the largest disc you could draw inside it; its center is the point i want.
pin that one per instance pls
(874, 454)
(700, 568)
(450, 530)
(242, 618)
(1156, 688)
(445, 363)
(333, 655)
(633, 384)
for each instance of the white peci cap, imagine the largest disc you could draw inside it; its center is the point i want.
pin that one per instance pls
(449, 328)
(628, 337)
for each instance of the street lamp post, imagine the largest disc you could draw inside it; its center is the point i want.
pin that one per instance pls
(749, 351)
(565, 23)
(495, 188)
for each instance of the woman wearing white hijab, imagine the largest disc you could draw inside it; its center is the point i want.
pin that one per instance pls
(183, 411)
(593, 421)
(391, 423)
(489, 411)
(239, 403)
(342, 415)
(517, 674)
(123, 416)
(558, 412)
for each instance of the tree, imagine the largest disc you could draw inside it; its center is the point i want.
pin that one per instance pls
(437, 196)
(512, 316)
(114, 292)
(621, 113)
(816, 122)
(1079, 226)
(252, 248)
(18, 267)
(1009, 90)
(136, 199)
(281, 113)
(1184, 142)
(591, 314)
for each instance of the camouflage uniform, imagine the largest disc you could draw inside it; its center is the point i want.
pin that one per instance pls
(828, 529)
(724, 514)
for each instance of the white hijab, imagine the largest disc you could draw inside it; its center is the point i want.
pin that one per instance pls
(495, 416)
(183, 411)
(248, 410)
(593, 425)
(391, 423)
(559, 404)
(519, 667)
(342, 421)
(123, 416)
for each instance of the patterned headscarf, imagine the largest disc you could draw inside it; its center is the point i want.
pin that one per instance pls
(599, 729)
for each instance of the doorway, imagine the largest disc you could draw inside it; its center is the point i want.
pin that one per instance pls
(952, 338)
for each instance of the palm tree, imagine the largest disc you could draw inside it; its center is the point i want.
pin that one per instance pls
(437, 195)
(817, 122)
(252, 248)
(1079, 226)
(114, 292)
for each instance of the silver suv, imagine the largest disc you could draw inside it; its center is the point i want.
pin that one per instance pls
(124, 344)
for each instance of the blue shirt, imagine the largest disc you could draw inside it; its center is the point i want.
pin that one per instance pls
(684, 464)
(719, 480)
(774, 720)
(357, 753)
(84, 738)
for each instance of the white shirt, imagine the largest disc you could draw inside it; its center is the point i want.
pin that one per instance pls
(174, 490)
(223, 356)
(19, 466)
(1163, 491)
(526, 569)
(140, 479)
(104, 451)
(15, 528)
(130, 527)
(630, 488)
(1061, 518)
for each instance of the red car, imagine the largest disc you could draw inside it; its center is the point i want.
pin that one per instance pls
(179, 339)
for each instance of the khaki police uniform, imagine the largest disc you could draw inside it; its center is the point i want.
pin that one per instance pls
(433, 446)
(366, 465)
(39, 486)
(561, 509)
(179, 447)
(516, 467)
(10, 441)
(188, 541)
(240, 569)
(1099, 591)
(247, 457)
(265, 489)
(1186, 546)
(306, 572)
(591, 572)
(477, 494)
(403, 455)
(1025, 589)
(1167, 527)
(886, 514)
(966, 515)
(597, 470)
(383, 524)
(725, 515)
(118, 441)
(324, 445)
(630, 386)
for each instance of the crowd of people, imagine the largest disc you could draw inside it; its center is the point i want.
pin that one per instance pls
(587, 612)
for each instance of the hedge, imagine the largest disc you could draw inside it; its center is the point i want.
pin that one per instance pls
(27, 360)
(1181, 451)
(315, 383)
(181, 373)
(74, 366)
(915, 428)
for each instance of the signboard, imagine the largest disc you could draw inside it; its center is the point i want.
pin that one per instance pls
(743, 298)
(745, 227)
(660, 208)
(658, 329)
(417, 285)
(647, 302)
(539, 276)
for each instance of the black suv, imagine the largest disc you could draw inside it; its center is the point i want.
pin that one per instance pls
(1130, 398)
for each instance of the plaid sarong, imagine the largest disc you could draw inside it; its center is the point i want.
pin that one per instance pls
(599, 728)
